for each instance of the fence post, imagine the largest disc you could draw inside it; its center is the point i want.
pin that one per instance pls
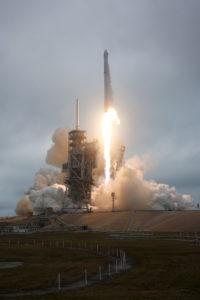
(116, 266)
(59, 281)
(109, 270)
(124, 259)
(86, 277)
(99, 272)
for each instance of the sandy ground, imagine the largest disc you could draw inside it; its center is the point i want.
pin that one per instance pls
(163, 221)
(160, 221)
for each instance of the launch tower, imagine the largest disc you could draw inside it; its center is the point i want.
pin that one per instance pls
(82, 157)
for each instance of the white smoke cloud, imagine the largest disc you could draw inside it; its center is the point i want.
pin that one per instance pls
(45, 177)
(165, 197)
(133, 191)
(45, 190)
(52, 196)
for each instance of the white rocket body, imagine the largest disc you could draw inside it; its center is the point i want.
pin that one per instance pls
(108, 98)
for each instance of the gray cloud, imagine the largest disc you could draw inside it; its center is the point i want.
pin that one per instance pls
(51, 52)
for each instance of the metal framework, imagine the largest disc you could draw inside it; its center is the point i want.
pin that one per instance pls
(81, 161)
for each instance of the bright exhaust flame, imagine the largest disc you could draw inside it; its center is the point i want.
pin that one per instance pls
(110, 117)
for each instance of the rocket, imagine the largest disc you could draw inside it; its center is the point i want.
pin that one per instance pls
(108, 98)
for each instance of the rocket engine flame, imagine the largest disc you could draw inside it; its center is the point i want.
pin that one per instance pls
(110, 117)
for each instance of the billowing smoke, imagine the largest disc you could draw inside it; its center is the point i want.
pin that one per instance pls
(51, 196)
(45, 177)
(134, 192)
(131, 189)
(58, 153)
(165, 197)
(47, 190)
(24, 206)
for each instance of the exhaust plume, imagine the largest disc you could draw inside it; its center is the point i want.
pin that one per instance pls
(109, 118)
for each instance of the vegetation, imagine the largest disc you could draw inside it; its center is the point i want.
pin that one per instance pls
(161, 269)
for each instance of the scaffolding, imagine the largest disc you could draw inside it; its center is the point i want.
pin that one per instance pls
(82, 159)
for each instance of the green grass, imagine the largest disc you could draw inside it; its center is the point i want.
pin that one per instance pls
(161, 269)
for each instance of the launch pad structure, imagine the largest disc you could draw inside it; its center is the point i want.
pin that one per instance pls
(82, 159)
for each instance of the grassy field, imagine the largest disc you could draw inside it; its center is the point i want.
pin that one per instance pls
(161, 269)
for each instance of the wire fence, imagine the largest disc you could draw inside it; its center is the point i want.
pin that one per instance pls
(118, 264)
(183, 236)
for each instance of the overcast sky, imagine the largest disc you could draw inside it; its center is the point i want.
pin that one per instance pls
(52, 51)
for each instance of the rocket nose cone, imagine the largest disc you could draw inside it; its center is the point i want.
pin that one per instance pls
(105, 53)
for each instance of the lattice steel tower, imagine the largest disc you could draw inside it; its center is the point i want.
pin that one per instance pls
(82, 157)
